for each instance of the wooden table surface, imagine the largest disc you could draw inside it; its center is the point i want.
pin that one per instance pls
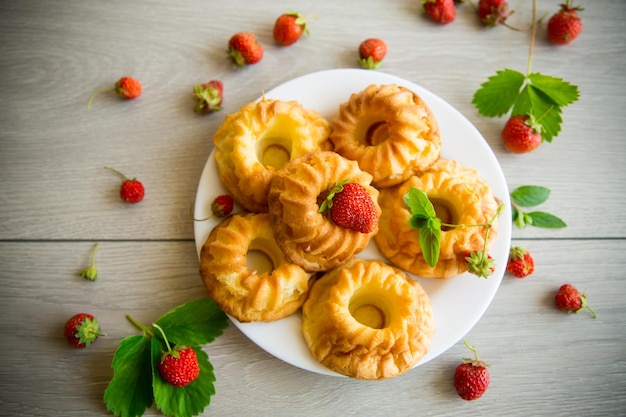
(57, 201)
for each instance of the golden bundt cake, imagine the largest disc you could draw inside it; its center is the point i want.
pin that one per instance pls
(258, 139)
(367, 320)
(389, 130)
(307, 237)
(459, 196)
(244, 293)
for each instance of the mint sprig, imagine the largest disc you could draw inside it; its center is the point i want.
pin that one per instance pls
(136, 382)
(532, 94)
(531, 196)
(425, 220)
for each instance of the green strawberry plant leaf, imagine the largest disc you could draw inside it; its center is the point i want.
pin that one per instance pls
(194, 323)
(130, 391)
(186, 401)
(499, 93)
(531, 196)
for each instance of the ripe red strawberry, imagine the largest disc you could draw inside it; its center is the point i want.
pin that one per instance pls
(179, 367)
(289, 27)
(81, 330)
(353, 208)
(440, 11)
(126, 87)
(371, 53)
(222, 205)
(565, 25)
(244, 49)
(471, 378)
(209, 96)
(568, 298)
(131, 190)
(521, 134)
(493, 12)
(521, 263)
(480, 265)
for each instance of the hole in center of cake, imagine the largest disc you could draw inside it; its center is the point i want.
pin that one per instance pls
(445, 212)
(369, 315)
(377, 133)
(275, 155)
(259, 261)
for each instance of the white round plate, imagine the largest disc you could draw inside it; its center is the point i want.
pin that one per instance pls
(459, 302)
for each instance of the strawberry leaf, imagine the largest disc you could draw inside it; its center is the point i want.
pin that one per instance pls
(560, 92)
(534, 102)
(130, 391)
(186, 401)
(194, 323)
(499, 93)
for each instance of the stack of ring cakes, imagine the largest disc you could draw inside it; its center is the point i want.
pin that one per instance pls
(314, 196)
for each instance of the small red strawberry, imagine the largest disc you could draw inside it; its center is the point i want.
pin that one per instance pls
(493, 12)
(81, 330)
(222, 205)
(90, 272)
(565, 25)
(244, 49)
(480, 265)
(209, 96)
(371, 53)
(179, 367)
(521, 134)
(521, 263)
(126, 87)
(568, 298)
(471, 378)
(289, 27)
(131, 190)
(440, 11)
(351, 207)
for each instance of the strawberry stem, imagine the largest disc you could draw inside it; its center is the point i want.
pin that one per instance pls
(167, 343)
(103, 90)
(533, 31)
(124, 177)
(146, 330)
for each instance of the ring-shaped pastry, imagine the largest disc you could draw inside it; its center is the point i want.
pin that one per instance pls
(390, 131)
(367, 320)
(244, 293)
(306, 236)
(459, 196)
(258, 139)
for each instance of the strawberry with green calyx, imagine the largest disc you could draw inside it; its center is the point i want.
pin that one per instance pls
(351, 207)
(425, 220)
(81, 330)
(522, 134)
(132, 190)
(530, 94)
(90, 272)
(531, 196)
(371, 53)
(289, 28)
(137, 382)
(126, 88)
(208, 96)
(521, 263)
(471, 378)
(493, 12)
(565, 25)
(179, 365)
(243, 49)
(440, 11)
(569, 299)
(221, 206)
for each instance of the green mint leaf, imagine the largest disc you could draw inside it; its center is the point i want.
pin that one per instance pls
(186, 401)
(498, 94)
(430, 241)
(560, 92)
(129, 393)
(546, 220)
(530, 195)
(194, 323)
(417, 221)
(418, 203)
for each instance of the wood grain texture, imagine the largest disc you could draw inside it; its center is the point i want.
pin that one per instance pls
(57, 200)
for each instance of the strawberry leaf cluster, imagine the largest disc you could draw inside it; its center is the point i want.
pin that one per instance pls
(136, 382)
(538, 96)
(531, 196)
